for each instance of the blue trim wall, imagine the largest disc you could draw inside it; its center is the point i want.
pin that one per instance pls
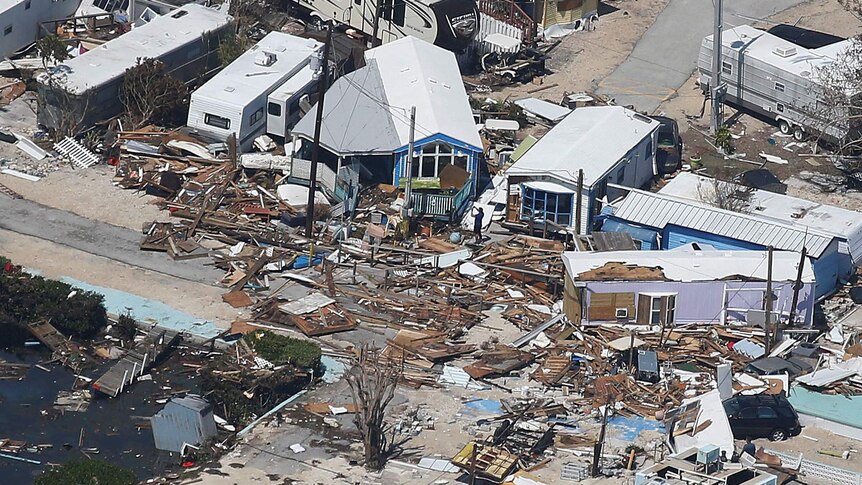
(675, 236)
(473, 157)
(647, 236)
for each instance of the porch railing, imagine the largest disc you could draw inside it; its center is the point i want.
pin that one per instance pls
(441, 206)
(509, 12)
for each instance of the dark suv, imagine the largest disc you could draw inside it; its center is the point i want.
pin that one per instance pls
(762, 416)
(668, 153)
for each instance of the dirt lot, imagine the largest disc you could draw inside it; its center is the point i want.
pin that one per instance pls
(584, 58)
(89, 193)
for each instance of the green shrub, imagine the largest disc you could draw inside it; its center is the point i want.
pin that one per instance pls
(86, 472)
(724, 140)
(25, 299)
(280, 349)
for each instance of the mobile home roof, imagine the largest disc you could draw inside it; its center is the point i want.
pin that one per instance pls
(294, 84)
(152, 40)
(593, 139)
(244, 79)
(793, 211)
(368, 110)
(660, 210)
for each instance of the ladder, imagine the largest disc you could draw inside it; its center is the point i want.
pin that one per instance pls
(76, 153)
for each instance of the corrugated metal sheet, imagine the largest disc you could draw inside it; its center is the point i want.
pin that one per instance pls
(658, 211)
(183, 420)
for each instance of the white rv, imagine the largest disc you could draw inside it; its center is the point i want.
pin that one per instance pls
(235, 100)
(450, 24)
(289, 102)
(775, 78)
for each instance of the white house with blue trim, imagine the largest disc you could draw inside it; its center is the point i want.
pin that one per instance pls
(366, 124)
(612, 145)
(679, 215)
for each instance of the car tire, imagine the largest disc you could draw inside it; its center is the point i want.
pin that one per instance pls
(778, 435)
(784, 127)
(798, 134)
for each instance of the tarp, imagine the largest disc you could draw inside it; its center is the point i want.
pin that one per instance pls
(503, 41)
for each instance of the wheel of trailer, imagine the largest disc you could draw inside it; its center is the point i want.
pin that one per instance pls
(778, 435)
(318, 23)
(784, 127)
(798, 133)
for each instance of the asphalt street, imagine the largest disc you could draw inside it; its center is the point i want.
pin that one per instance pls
(665, 57)
(98, 238)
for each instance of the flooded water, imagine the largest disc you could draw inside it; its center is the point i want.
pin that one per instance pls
(109, 424)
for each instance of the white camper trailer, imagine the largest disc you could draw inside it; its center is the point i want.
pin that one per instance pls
(286, 105)
(775, 78)
(235, 100)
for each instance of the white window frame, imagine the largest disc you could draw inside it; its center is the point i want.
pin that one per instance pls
(213, 120)
(726, 68)
(781, 88)
(434, 157)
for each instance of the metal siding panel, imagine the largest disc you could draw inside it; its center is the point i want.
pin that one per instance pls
(175, 425)
(657, 211)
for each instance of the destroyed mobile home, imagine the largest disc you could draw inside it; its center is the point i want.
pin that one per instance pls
(629, 341)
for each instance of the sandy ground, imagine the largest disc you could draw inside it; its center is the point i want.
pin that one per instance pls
(813, 442)
(584, 58)
(90, 193)
(54, 261)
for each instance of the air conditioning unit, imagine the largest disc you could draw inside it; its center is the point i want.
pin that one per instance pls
(707, 455)
(784, 51)
(265, 59)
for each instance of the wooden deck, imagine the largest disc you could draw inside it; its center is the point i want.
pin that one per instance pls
(64, 350)
(137, 361)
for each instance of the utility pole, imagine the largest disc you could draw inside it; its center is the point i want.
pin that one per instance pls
(600, 444)
(408, 190)
(768, 320)
(715, 88)
(375, 26)
(797, 285)
(579, 202)
(315, 149)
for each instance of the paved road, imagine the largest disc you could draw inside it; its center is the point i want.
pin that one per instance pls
(98, 238)
(664, 58)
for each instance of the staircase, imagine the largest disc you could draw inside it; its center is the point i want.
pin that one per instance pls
(76, 153)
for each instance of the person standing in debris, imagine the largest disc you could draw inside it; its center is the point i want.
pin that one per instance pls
(749, 447)
(478, 216)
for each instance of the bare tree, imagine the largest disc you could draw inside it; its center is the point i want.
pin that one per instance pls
(838, 110)
(853, 6)
(372, 383)
(57, 106)
(725, 195)
(151, 94)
